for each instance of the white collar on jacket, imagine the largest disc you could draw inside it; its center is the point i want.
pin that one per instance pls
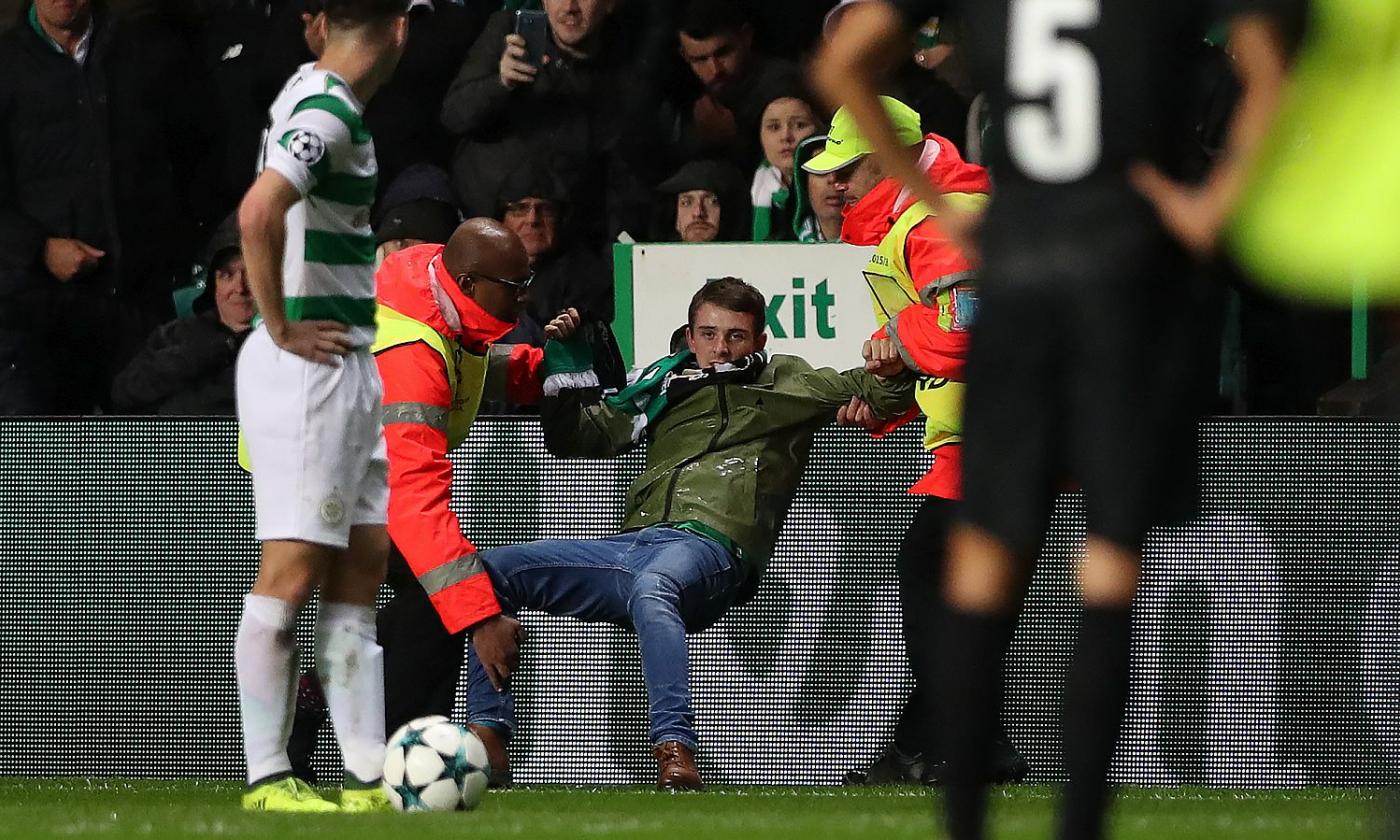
(926, 160)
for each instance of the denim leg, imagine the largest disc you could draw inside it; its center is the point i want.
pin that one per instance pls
(686, 585)
(586, 579)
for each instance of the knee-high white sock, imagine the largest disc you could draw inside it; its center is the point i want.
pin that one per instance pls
(351, 665)
(265, 657)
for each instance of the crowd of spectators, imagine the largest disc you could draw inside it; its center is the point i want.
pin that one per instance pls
(128, 134)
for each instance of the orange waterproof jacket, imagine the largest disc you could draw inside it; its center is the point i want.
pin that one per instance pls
(923, 291)
(426, 325)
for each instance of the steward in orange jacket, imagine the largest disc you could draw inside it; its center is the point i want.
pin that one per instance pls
(436, 356)
(923, 290)
(441, 308)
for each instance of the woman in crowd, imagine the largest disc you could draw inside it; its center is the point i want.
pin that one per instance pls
(788, 118)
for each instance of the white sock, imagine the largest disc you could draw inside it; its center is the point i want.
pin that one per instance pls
(265, 657)
(351, 665)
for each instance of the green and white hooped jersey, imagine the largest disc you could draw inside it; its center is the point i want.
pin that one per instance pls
(316, 139)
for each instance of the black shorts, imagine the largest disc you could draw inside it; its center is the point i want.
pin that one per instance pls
(1086, 370)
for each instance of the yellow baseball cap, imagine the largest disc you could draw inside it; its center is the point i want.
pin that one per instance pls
(845, 144)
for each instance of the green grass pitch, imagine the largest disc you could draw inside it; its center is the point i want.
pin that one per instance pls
(151, 809)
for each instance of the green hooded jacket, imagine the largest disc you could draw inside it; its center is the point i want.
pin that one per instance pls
(725, 461)
(805, 226)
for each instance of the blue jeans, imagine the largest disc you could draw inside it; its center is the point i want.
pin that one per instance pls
(659, 582)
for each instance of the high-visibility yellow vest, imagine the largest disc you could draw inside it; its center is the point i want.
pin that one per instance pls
(891, 290)
(466, 371)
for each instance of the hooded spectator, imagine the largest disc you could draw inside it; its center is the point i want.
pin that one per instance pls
(817, 203)
(789, 116)
(417, 208)
(533, 204)
(187, 365)
(702, 202)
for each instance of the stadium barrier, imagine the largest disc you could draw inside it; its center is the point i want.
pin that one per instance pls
(1266, 654)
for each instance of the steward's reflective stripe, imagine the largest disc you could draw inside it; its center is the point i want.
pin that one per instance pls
(497, 370)
(451, 573)
(947, 281)
(422, 414)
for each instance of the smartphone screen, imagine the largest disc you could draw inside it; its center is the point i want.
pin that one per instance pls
(533, 26)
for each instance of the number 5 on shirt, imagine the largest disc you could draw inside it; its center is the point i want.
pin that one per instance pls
(1053, 134)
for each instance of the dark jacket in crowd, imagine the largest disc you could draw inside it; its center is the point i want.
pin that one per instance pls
(571, 276)
(105, 152)
(579, 115)
(233, 51)
(745, 98)
(186, 368)
(403, 116)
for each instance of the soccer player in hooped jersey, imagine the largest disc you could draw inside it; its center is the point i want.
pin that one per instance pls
(309, 403)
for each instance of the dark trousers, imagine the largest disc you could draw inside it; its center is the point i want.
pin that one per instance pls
(919, 567)
(422, 661)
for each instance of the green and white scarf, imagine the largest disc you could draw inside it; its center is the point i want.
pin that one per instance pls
(663, 383)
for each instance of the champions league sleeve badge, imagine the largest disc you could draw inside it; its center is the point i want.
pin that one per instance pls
(306, 147)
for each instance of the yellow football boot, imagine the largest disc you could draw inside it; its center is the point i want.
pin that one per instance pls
(364, 800)
(287, 795)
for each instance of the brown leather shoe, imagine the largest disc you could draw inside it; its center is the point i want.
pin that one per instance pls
(676, 768)
(499, 774)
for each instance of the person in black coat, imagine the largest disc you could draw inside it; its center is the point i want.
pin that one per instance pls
(187, 365)
(578, 109)
(532, 202)
(98, 144)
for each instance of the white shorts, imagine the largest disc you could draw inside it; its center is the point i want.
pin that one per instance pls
(315, 440)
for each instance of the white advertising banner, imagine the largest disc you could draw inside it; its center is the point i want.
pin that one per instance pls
(818, 304)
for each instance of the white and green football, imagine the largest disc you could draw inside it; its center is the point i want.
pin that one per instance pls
(433, 764)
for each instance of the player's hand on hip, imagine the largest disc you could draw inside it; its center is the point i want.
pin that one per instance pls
(497, 643)
(515, 69)
(1194, 215)
(564, 325)
(316, 341)
(882, 357)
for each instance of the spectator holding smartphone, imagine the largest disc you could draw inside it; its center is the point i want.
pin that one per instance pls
(571, 105)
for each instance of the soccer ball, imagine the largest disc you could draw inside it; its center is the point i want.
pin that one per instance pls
(433, 764)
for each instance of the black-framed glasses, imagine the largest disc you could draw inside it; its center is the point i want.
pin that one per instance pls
(518, 283)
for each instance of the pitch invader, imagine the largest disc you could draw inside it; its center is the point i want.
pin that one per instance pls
(309, 404)
(1080, 367)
